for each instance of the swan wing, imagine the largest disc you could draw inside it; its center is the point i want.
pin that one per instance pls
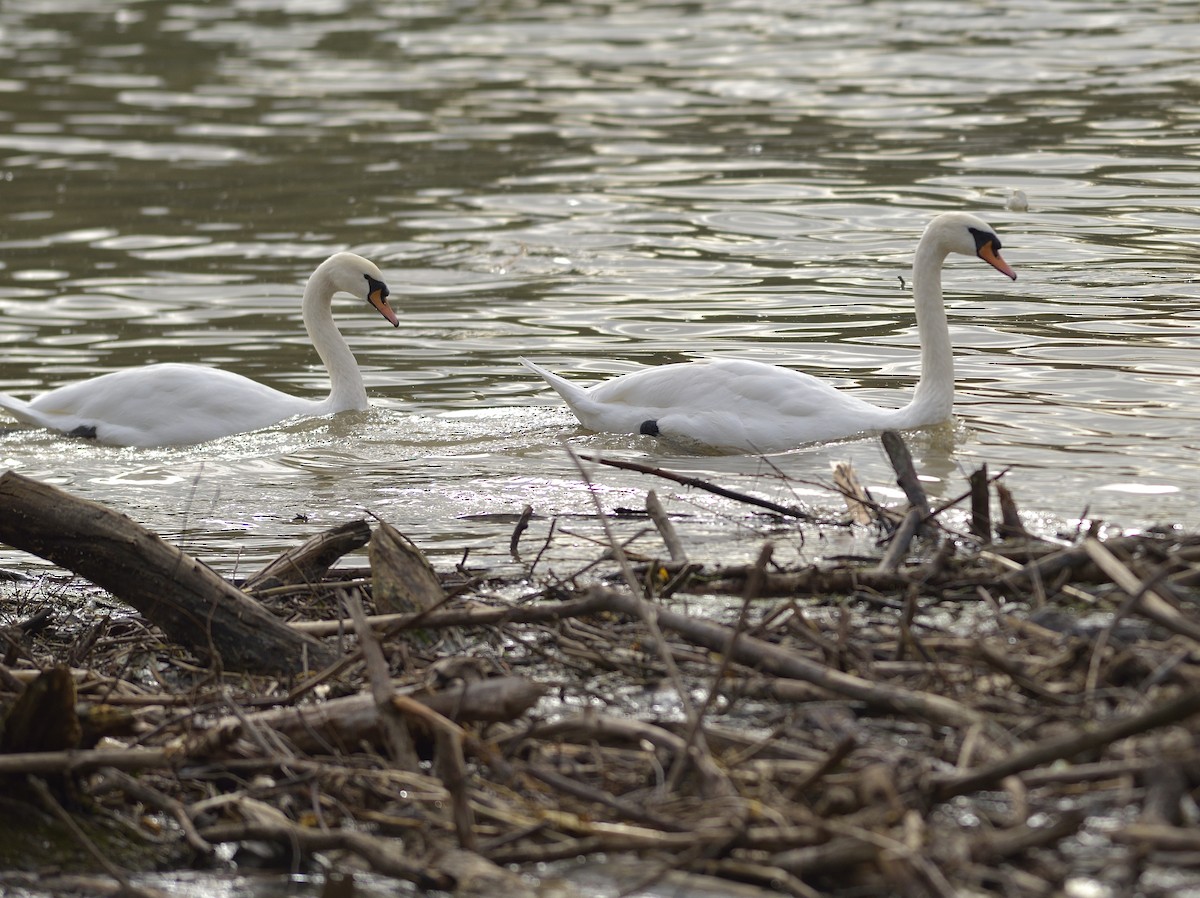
(726, 404)
(741, 405)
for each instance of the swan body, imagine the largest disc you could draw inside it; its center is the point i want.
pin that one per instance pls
(174, 405)
(734, 405)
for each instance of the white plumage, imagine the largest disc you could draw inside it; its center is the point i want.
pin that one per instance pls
(734, 405)
(172, 404)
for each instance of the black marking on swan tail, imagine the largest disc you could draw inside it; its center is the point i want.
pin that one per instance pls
(87, 431)
(649, 428)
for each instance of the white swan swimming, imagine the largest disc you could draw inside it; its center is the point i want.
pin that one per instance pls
(734, 405)
(175, 405)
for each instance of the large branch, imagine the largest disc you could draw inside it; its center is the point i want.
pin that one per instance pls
(187, 600)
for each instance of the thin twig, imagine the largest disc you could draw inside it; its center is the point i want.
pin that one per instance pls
(515, 539)
(666, 529)
(753, 585)
(1175, 710)
(648, 618)
(697, 483)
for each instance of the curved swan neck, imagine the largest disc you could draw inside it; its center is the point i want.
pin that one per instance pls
(346, 390)
(934, 395)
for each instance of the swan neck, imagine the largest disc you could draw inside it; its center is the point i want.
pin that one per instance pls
(934, 396)
(346, 390)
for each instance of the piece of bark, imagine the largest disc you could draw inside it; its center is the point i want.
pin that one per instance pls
(991, 846)
(402, 580)
(981, 506)
(1149, 602)
(697, 483)
(43, 717)
(811, 580)
(49, 762)
(1157, 837)
(308, 563)
(184, 598)
(349, 720)
(468, 616)
(858, 500)
(1010, 517)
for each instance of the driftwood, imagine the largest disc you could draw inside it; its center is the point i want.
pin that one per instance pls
(402, 580)
(343, 722)
(906, 475)
(356, 718)
(764, 656)
(308, 563)
(981, 505)
(1177, 709)
(187, 600)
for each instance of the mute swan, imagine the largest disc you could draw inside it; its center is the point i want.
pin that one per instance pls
(174, 405)
(734, 405)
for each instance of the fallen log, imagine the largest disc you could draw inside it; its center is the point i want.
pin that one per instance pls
(310, 562)
(192, 604)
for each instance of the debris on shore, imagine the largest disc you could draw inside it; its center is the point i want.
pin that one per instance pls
(978, 712)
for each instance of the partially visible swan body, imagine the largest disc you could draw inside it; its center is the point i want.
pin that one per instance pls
(733, 405)
(176, 405)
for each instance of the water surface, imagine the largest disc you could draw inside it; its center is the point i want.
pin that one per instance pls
(601, 186)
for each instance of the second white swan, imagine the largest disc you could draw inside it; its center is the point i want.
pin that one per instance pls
(172, 404)
(734, 405)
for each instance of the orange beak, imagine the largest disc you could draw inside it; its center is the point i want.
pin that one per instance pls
(988, 253)
(379, 301)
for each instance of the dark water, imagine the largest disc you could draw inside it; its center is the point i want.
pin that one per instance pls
(600, 186)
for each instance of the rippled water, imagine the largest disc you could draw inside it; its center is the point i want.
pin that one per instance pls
(600, 186)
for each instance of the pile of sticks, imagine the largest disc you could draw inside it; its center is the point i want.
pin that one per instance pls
(981, 712)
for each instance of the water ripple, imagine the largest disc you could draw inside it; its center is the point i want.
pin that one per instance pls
(600, 187)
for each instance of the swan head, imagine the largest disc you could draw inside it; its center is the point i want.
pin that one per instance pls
(960, 232)
(350, 273)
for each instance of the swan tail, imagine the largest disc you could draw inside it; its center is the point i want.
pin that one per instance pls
(26, 413)
(572, 395)
(19, 409)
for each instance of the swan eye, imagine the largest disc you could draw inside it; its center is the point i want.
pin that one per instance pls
(983, 238)
(373, 285)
